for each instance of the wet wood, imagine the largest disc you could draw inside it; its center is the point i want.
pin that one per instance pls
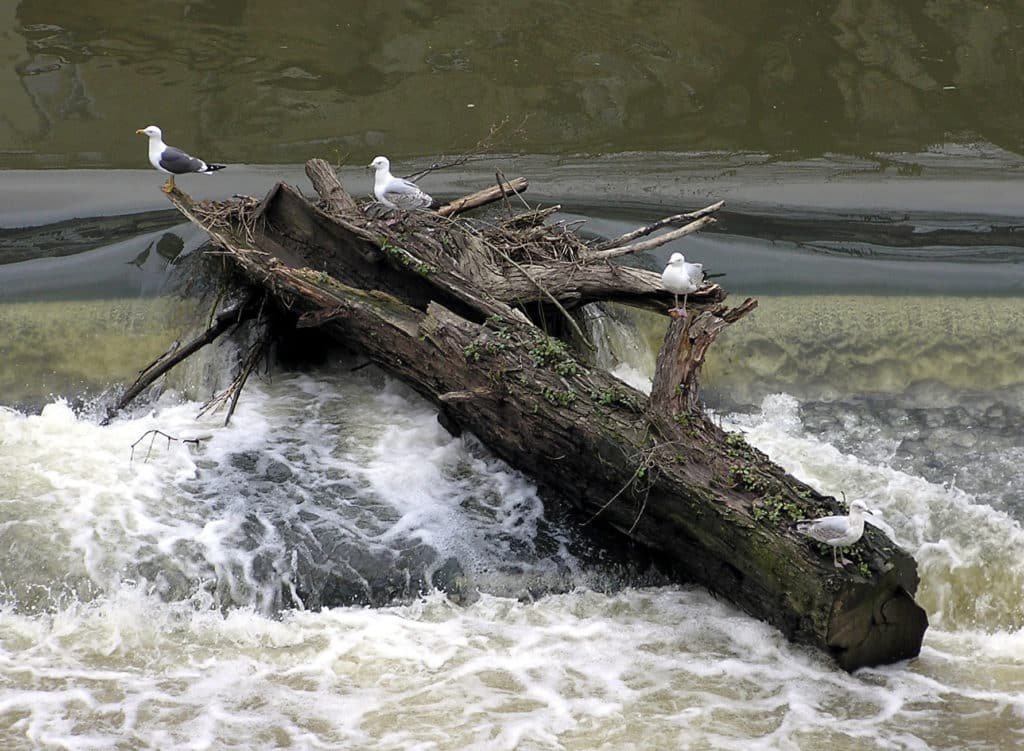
(445, 319)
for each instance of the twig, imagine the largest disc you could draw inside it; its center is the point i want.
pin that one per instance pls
(476, 154)
(642, 469)
(155, 433)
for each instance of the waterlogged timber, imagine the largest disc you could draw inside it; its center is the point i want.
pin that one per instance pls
(656, 470)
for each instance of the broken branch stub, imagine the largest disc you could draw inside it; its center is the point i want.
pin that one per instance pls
(676, 387)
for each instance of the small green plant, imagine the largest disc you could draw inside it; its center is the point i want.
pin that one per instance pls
(566, 367)
(775, 507)
(546, 349)
(559, 398)
(494, 347)
(406, 259)
(613, 395)
(747, 478)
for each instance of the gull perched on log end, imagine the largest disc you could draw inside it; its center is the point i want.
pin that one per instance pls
(171, 160)
(837, 531)
(681, 278)
(396, 192)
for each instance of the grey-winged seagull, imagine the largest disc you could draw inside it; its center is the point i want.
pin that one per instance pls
(396, 192)
(171, 160)
(681, 278)
(837, 531)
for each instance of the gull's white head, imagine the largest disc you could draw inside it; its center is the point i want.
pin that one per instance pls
(675, 259)
(150, 130)
(379, 163)
(860, 507)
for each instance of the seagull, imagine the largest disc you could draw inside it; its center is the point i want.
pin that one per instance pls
(395, 192)
(837, 531)
(681, 278)
(171, 160)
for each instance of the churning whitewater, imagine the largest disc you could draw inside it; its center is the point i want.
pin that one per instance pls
(173, 600)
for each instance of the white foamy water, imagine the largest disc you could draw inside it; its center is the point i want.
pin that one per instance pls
(166, 603)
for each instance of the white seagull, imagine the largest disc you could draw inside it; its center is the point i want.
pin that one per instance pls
(681, 278)
(171, 160)
(395, 192)
(837, 531)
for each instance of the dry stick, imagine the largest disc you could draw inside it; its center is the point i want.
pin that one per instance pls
(483, 197)
(648, 229)
(224, 320)
(650, 244)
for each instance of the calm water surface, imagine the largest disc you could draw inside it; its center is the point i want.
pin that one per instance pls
(266, 82)
(210, 597)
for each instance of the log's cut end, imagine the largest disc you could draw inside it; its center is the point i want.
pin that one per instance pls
(875, 623)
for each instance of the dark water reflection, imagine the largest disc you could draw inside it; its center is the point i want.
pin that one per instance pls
(267, 82)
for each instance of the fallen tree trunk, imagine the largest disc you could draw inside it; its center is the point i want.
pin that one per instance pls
(450, 309)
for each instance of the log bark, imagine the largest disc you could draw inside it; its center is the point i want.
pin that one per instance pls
(656, 470)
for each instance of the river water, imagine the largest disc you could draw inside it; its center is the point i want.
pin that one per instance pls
(216, 595)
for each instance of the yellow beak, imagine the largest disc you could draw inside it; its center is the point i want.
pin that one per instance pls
(140, 130)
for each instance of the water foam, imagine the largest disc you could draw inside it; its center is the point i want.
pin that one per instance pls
(162, 666)
(655, 668)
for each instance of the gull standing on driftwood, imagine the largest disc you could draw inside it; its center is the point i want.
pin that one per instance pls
(171, 160)
(681, 278)
(837, 531)
(396, 192)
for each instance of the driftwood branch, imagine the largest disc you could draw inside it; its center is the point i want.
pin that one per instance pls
(483, 197)
(651, 243)
(655, 226)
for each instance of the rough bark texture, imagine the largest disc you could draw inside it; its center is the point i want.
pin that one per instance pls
(441, 307)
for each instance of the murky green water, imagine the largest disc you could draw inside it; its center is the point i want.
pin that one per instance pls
(261, 81)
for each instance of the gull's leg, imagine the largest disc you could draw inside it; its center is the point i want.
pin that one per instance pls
(168, 186)
(684, 304)
(835, 561)
(673, 310)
